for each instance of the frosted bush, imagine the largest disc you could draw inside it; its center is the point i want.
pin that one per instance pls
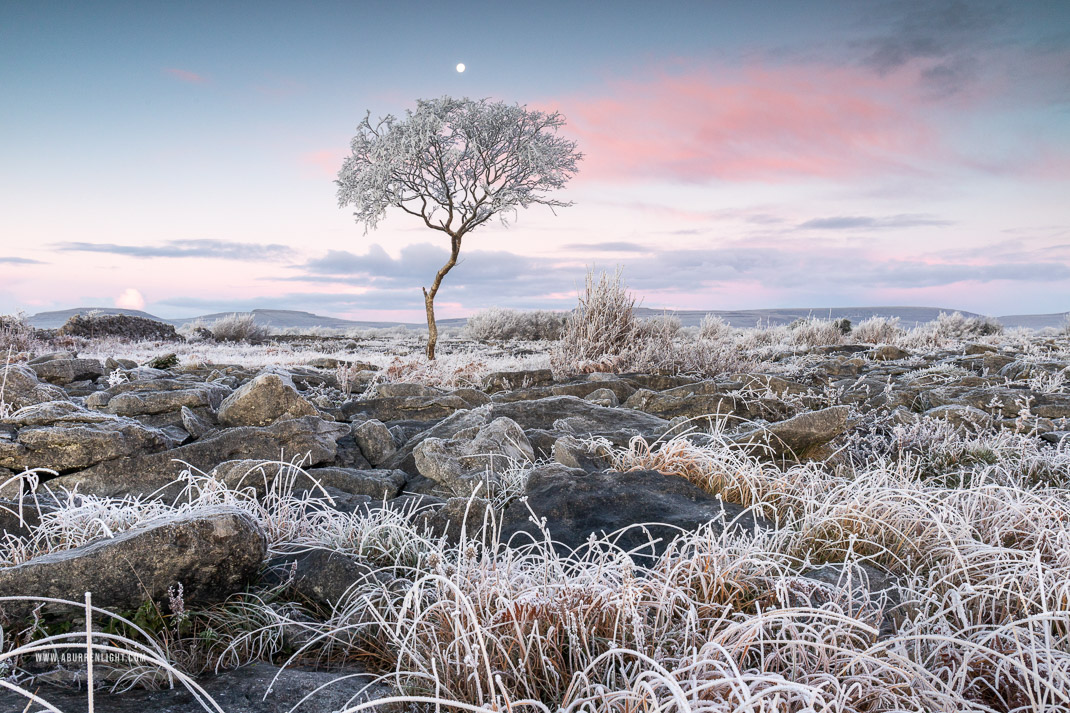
(497, 324)
(878, 330)
(714, 329)
(812, 332)
(238, 328)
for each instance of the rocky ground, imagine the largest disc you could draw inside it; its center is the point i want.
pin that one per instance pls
(110, 467)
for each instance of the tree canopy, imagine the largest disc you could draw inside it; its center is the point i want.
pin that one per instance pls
(455, 164)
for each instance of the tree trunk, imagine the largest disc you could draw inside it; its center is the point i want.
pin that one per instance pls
(429, 295)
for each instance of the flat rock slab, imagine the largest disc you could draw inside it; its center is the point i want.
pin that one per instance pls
(239, 691)
(212, 552)
(578, 504)
(62, 436)
(309, 437)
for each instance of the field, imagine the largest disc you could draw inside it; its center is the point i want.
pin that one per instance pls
(627, 515)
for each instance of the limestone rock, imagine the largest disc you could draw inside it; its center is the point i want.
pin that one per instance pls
(212, 552)
(264, 400)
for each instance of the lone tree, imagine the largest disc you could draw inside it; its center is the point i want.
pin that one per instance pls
(455, 163)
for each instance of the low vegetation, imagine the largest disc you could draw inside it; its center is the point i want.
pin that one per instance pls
(916, 559)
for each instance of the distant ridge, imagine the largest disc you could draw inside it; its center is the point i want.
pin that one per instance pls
(296, 319)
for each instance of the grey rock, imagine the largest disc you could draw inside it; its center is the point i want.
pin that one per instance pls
(510, 380)
(308, 438)
(446, 428)
(375, 441)
(264, 400)
(574, 453)
(196, 426)
(62, 436)
(797, 436)
(963, 417)
(473, 456)
(405, 408)
(402, 390)
(888, 352)
(458, 517)
(20, 387)
(577, 416)
(64, 371)
(577, 504)
(240, 690)
(212, 552)
(322, 577)
(603, 397)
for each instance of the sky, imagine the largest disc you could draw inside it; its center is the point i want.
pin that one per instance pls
(180, 157)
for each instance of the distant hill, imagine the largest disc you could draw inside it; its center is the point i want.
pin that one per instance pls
(1036, 321)
(55, 320)
(295, 319)
(908, 316)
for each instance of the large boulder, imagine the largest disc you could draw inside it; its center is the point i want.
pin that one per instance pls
(212, 553)
(576, 504)
(309, 439)
(62, 436)
(262, 401)
(473, 456)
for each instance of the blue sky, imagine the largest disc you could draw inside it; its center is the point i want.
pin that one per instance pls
(180, 157)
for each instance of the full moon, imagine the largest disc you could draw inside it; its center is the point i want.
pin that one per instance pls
(460, 67)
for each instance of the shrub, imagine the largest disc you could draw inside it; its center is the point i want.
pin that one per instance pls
(878, 330)
(956, 326)
(603, 334)
(812, 332)
(662, 326)
(497, 324)
(600, 331)
(16, 335)
(714, 329)
(238, 328)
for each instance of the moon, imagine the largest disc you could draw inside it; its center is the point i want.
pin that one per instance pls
(460, 67)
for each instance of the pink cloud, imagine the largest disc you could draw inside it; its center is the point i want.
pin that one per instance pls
(762, 124)
(184, 75)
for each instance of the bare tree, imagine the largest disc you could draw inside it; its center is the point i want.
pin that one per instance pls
(455, 163)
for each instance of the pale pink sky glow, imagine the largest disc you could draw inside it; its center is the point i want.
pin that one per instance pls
(825, 154)
(185, 75)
